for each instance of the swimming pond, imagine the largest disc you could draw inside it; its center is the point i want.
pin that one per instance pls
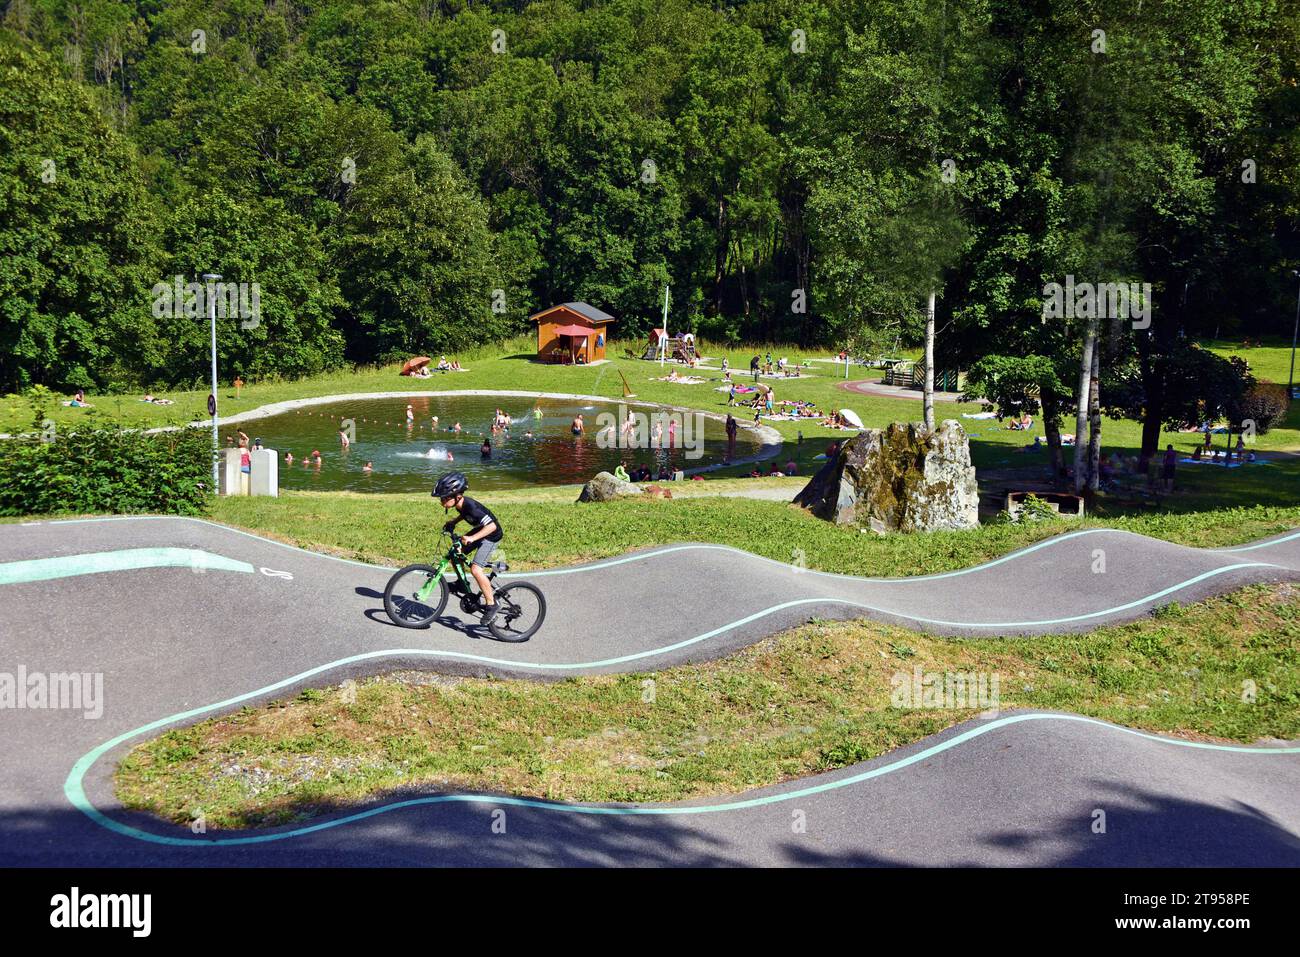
(406, 449)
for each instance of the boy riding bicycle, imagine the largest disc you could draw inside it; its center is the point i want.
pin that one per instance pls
(450, 491)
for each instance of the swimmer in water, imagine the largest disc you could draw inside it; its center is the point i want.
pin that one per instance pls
(288, 458)
(368, 468)
(485, 449)
(343, 438)
(577, 424)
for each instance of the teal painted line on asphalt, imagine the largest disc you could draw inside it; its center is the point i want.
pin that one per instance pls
(224, 528)
(822, 574)
(75, 793)
(94, 563)
(1251, 548)
(74, 788)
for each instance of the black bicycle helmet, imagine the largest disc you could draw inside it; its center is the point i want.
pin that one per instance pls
(451, 484)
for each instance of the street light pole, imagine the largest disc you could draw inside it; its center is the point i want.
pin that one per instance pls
(208, 280)
(1290, 386)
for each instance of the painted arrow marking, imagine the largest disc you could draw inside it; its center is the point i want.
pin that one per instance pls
(93, 563)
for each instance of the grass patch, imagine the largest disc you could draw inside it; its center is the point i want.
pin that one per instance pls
(810, 700)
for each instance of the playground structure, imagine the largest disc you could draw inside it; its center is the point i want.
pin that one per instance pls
(910, 374)
(676, 348)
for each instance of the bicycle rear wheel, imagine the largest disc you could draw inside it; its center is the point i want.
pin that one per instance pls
(522, 609)
(415, 596)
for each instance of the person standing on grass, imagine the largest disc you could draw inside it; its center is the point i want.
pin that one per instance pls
(1171, 460)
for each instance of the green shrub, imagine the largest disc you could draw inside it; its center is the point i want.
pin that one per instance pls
(106, 469)
(1035, 509)
(1264, 403)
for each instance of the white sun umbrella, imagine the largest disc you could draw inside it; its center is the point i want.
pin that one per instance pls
(852, 418)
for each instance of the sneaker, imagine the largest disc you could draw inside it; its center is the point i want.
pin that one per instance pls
(490, 612)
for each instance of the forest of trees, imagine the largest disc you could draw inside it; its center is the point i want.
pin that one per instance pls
(404, 176)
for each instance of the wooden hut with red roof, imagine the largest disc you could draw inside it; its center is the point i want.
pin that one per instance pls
(574, 332)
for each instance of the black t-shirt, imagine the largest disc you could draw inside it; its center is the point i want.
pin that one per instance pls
(478, 515)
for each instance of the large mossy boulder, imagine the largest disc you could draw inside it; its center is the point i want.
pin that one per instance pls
(903, 478)
(605, 487)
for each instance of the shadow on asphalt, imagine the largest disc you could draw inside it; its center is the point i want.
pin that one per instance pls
(1143, 829)
(470, 629)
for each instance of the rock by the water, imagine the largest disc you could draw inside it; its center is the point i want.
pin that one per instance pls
(902, 478)
(605, 487)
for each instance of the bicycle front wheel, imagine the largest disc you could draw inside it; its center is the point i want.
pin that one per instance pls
(521, 611)
(415, 596)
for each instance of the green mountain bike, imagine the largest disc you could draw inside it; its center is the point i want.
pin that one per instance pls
(418, 594)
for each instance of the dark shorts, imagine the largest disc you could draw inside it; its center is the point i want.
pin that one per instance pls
(1168, 472)
(483, 553)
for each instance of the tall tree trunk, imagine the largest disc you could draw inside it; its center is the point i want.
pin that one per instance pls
(929, 363)
(1150, 437)
(1081, 396)
(1153, 407)
(723, 241)
(1050, 403)
(744, 284)
(1094, 420)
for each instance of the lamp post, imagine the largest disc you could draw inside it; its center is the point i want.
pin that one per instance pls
(663, 341)
(208, 279)
(1290, 385)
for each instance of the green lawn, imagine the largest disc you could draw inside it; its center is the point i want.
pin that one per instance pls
(810, 700)
(1270, 360)
(991, 445)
